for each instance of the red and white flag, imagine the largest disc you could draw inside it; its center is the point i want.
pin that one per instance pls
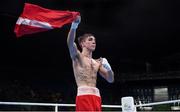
(37, 19)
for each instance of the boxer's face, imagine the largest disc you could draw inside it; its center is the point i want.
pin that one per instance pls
(90, 43)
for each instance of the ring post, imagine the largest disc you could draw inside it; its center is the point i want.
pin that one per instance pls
(56, 108)
(128, 104)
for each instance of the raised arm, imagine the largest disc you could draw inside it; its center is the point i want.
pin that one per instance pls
(71, 38)
(106, 71)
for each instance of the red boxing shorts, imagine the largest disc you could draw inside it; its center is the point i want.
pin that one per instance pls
(88, 99)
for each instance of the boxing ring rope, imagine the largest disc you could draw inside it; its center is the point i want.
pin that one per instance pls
(55, 105)
(52, 105)
(157, 103)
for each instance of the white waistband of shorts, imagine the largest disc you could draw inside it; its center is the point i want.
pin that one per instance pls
(87, 90)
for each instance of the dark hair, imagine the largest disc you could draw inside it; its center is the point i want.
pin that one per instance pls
(83, 37)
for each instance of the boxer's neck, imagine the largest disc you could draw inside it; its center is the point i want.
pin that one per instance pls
(87, 53)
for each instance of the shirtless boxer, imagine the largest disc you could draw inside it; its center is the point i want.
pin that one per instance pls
(86, 68)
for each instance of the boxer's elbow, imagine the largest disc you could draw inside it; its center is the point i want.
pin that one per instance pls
(110, 81)
(110, 78)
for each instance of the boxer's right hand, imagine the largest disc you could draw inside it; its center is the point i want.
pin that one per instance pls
(76, 22)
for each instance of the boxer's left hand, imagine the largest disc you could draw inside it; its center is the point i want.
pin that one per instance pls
(106, 65)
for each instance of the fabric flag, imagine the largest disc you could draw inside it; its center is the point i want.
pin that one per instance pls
(37, 19)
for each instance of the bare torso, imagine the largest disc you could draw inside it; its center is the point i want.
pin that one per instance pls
(85, 71)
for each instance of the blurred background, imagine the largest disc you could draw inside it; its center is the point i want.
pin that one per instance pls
(140, 38)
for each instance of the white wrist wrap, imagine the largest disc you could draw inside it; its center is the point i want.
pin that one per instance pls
(106, 65)
(74, 25)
